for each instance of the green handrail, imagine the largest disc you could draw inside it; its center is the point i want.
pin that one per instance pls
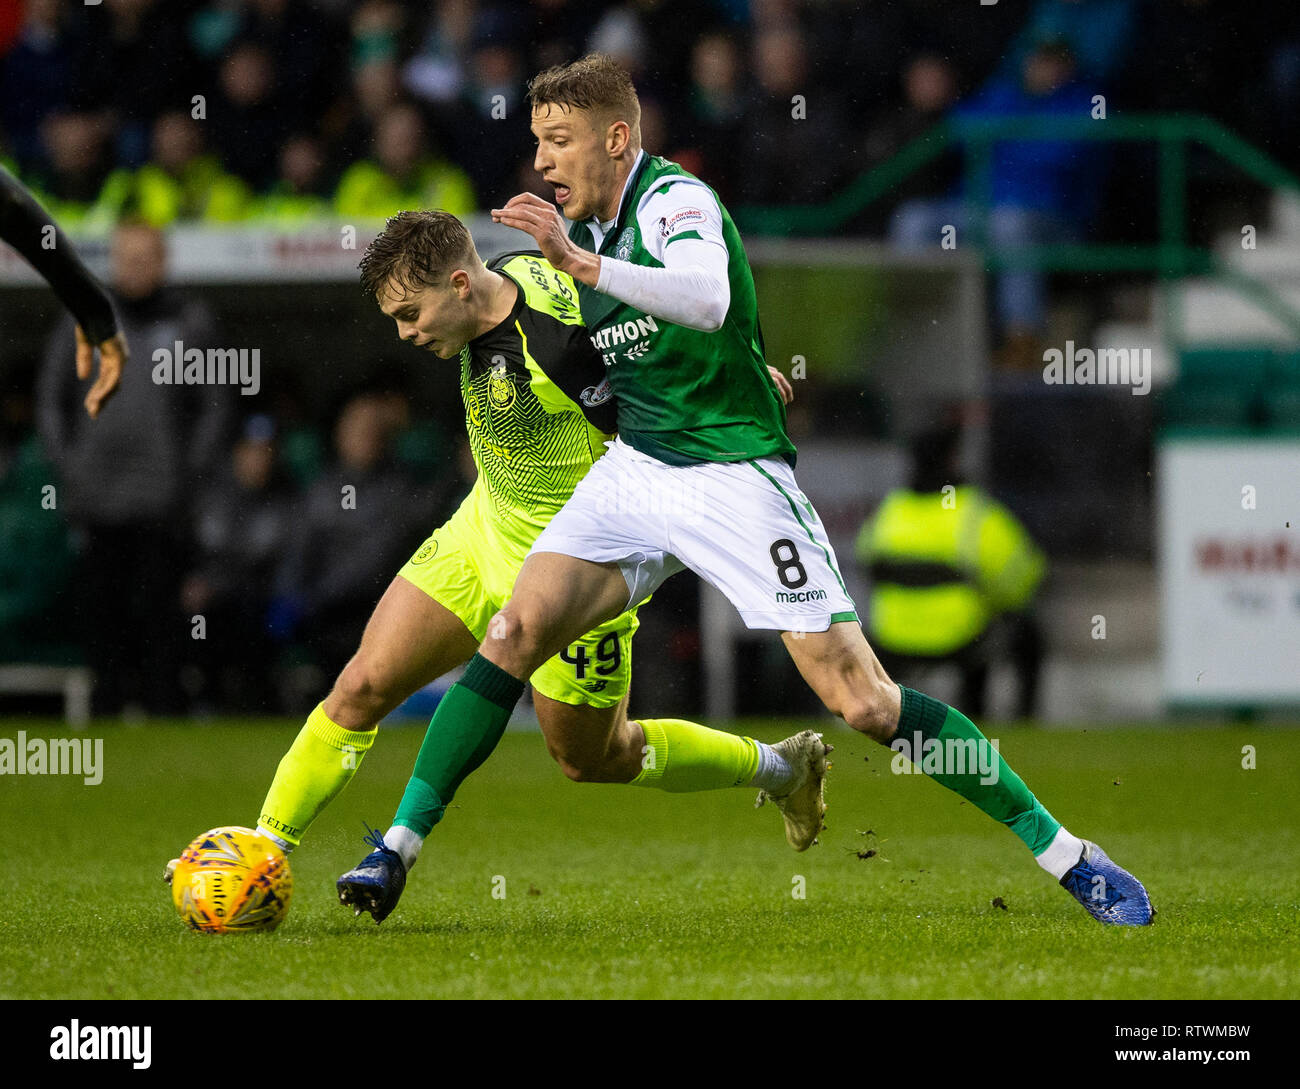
(1169, 258)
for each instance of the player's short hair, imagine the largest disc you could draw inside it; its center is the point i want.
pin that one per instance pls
(594, 83)
(415, 250)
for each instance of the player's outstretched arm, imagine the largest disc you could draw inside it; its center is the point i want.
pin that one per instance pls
(30, 230)
(692, 288)
(539, 218)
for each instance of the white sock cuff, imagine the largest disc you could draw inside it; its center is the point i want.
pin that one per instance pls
(1062, 853)
(283, 844)
(774, 772)
(406, 842)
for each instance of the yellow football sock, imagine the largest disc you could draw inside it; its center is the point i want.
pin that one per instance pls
(320, 762)
(685, 756)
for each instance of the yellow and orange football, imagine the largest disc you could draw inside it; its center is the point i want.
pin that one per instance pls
(232, 881)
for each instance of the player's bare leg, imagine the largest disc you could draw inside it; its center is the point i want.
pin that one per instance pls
(840, 666)
(555, 600)
(409, 640)
(591, 744)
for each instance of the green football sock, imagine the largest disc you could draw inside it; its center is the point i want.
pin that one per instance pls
(465, 728)
(684, 756)
(944, 744)
(320, 763)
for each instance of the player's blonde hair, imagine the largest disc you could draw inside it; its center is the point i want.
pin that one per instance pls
(594, 83)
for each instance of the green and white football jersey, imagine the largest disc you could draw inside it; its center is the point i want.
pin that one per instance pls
(684, 396)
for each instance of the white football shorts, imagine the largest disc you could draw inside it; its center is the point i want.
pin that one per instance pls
(743, 526)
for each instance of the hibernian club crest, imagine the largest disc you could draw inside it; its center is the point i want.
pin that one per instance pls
(623, 251)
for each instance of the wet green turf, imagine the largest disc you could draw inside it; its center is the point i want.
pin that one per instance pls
(622, 892)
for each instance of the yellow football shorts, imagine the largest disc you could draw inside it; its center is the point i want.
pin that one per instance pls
(469, 566)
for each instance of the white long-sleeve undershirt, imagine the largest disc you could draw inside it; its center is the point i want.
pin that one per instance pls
(680, 223)
(691, 289)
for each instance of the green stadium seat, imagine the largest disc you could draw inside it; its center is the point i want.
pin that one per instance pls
(1240, 366)
(1282, 407)
(1208, 406)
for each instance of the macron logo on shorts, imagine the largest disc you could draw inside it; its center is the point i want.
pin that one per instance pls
(801, 595)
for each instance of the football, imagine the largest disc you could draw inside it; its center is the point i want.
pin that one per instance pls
(232, 881)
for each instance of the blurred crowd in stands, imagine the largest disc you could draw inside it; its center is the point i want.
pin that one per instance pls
(229, 559)
(276, 110)
(199, 553)
(143, 114)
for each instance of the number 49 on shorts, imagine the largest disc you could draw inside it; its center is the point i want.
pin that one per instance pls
(607, 659)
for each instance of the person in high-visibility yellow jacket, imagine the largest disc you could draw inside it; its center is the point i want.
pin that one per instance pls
(402, 174)
(183, 183)
(949, 567)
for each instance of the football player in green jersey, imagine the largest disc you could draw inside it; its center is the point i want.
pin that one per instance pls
(701, 476)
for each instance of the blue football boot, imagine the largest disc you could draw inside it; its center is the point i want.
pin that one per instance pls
(375, 884)
(1109, 892)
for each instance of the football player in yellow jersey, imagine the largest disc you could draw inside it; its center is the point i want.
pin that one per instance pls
(538, 412)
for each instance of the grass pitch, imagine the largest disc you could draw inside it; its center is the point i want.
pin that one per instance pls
(621, 892)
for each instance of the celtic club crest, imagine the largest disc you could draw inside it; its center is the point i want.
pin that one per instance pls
(501, 389)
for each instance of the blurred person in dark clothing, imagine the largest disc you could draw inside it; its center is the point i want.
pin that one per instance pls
(557, 29)
(493, 90)
(930, 88)
(302, 190)
(972, 37)
(124, 480)
(37, 76)
(135, 61)
(791, 153)
(359, 520)
(437, 71)
(80, 186)
(243, 524)
(247, 119)
(715, 110)
(308, 46)
(1042, 191)
(954, 575)
(1100, 35)
(349, 126)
